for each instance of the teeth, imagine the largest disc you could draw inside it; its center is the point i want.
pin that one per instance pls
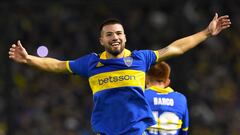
(115, 43)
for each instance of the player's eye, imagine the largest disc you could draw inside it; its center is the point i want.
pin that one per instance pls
(109, 34)
(119, 33)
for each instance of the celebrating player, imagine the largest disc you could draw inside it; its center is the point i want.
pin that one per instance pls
(117, 75)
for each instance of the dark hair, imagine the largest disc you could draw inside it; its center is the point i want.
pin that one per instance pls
(159, 72)
(109, 21)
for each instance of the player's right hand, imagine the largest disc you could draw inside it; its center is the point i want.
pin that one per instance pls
(18, 53)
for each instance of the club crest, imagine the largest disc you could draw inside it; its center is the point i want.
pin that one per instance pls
(128, 61)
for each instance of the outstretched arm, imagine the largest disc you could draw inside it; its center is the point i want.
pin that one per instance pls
(18, 53)
(182, 45)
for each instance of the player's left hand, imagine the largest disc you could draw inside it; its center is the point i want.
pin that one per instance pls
(218, 24)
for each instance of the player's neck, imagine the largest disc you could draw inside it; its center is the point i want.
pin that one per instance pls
(156, 84)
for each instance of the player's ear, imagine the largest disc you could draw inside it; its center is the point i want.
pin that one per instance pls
(100, 40)
(125, 37)
(147, 81)
(167, 82)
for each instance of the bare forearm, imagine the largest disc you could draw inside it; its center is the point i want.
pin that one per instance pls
(47, 64)
(182, 45)
(187, 43)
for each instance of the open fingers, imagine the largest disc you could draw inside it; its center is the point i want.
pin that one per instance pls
(19, 44)
(216, 16)
(225, 26)
(12, 48)
(225, 22)
(223, 17)
(11, 52)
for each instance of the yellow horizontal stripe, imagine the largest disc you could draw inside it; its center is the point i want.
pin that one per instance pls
(68, 67)
(115, 79)
(168, 126)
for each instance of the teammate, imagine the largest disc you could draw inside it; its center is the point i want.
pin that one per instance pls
(168, 107)
(117, 75)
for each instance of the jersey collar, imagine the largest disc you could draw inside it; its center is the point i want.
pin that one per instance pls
(126, 54)
(161, 90)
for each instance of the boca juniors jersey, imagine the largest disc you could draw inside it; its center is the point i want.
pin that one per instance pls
(170, 111)
(117, 86)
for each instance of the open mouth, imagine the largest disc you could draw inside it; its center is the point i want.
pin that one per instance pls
(116, 44)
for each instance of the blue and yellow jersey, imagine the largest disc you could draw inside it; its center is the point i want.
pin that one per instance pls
(117, 86)
(170, 111)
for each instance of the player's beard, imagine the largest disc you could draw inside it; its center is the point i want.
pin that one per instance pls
(113, 51)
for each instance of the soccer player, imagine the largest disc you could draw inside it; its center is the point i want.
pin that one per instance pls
(117, 75)
(169, 108)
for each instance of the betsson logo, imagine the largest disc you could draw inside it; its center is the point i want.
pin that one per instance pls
(112, 79)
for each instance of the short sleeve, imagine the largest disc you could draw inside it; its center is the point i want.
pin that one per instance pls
(79, 66)
(150, 57)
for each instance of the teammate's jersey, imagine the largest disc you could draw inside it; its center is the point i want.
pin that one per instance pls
(117, 86)
(169, 110)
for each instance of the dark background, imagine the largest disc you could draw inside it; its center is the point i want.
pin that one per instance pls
(33, 102)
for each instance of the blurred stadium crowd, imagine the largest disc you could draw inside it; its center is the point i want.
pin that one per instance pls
(34, 102)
